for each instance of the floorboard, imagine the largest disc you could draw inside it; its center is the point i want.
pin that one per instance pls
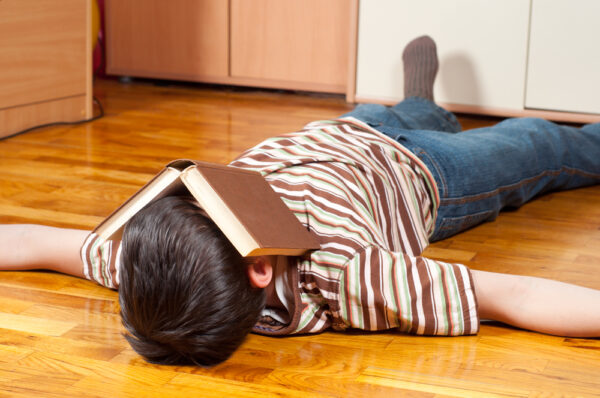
(61, 336)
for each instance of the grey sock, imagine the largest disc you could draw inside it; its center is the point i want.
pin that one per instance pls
(420, 67)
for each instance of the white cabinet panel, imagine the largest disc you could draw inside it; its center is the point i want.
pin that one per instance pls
(482, 46)
(564, 56)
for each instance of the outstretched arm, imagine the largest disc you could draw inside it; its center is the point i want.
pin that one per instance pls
(25, 247)
(538, 304)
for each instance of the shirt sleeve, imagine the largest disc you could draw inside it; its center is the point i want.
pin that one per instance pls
(101, 260)
(381, 290)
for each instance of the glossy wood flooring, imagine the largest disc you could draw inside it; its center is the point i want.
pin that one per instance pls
(61, 337)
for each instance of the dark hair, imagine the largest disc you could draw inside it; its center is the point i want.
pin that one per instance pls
(184, 293)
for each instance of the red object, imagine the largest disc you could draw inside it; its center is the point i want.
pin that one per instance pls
(99, 52)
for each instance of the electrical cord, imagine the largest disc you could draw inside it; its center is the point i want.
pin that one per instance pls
(98, 116)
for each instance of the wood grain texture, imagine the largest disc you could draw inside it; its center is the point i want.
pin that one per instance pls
(180, 39)
(42, 50)
(45, 59)
(61, 336)
(296, 41)
(289, 44)
(69, 109)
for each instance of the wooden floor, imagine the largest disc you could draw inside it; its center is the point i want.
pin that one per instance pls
(61, 337)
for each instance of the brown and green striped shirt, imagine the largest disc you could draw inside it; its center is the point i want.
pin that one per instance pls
(372, 204)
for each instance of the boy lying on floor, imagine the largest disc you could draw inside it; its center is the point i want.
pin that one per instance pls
(375, 187)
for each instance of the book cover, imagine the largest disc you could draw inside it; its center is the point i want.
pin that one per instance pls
(240, 202)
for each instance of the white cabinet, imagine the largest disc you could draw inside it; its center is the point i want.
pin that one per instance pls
(563, 72)
(499, 57)
(482, 62)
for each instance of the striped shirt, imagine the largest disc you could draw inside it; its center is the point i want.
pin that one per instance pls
(372, 204)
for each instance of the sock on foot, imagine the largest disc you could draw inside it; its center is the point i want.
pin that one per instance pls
(420, 67)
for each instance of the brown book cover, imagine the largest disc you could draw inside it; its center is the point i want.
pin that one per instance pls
(241, 202)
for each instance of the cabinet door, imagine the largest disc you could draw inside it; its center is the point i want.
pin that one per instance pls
(482, 47)
(43, 53)
(176, 39)
(304, 43)
(564, 56)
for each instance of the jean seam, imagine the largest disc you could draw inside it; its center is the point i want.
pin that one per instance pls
(446, 220)
(451, 120)
(447, 116)
(442, 185)
(474, 198)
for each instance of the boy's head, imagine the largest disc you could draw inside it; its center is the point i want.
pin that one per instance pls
(185, 294)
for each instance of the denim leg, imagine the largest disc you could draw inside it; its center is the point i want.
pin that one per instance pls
(481, 171)
(413, 113)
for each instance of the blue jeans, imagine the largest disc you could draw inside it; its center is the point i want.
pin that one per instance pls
(481, 171)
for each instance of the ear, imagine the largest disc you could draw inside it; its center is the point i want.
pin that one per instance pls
(260, 272)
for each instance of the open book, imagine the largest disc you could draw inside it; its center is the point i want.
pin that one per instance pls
(240, 202)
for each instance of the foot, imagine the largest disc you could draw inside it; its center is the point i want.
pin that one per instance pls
(420, 67)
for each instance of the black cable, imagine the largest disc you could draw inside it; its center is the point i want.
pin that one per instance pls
(98, 116)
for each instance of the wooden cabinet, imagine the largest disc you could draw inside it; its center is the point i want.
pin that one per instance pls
(45, 63)
(304, 42)
(505, 58)
(292, 44)
(177, 39)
